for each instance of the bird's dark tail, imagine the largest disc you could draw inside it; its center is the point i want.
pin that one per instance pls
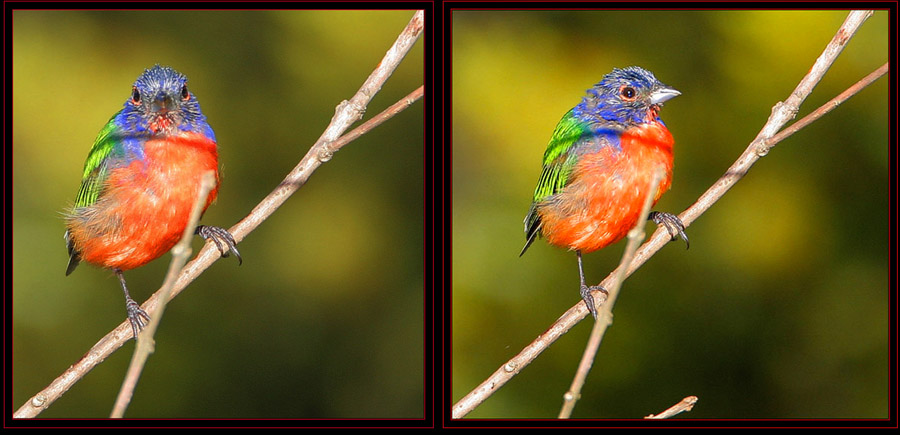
(532, 228)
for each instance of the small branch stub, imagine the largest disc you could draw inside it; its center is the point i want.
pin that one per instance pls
(685, 405)
(762, 148)
(325, 154)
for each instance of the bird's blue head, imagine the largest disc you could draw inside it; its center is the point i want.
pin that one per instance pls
(625, 97)
(161, 104)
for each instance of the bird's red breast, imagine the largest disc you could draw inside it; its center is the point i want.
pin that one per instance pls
(146, 205)
(604, 199)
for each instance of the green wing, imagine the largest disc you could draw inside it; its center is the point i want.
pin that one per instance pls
(92, 179)
(95, 170)
(558, 164)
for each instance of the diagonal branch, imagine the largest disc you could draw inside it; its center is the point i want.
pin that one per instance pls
(781, 114)
(346, 113)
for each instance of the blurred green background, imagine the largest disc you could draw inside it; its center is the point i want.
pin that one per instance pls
(325, 316)
(780, 307)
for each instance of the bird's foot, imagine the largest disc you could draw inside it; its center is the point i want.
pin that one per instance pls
(222, 238)
(137, 316)
(589, 299)
(673, 225)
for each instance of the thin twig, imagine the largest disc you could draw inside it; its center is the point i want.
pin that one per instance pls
(346, 114)
(781, 113)
(604, 317)
(685, 405)
(181, 252)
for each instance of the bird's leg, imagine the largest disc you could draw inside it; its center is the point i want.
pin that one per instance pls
(222, 238)
(673, 225)
(136, 315)
(586, 291)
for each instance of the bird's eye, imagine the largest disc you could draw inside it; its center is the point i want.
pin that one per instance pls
(184, 93)
(627, 93)
(135, 95)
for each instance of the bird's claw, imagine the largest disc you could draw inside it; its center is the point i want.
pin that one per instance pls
(673, 225)
(137, 316)
(589, 299)
(222, 238)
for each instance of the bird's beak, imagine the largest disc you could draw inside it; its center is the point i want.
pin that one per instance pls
(662, 95)
(163, 103)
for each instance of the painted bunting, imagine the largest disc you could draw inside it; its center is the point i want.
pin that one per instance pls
(599, 165)
(140, 181)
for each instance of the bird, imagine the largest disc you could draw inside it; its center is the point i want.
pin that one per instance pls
(140, 181)
(598, 166)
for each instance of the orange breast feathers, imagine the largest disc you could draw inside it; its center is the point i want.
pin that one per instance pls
(607, 190)
(146, 205)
